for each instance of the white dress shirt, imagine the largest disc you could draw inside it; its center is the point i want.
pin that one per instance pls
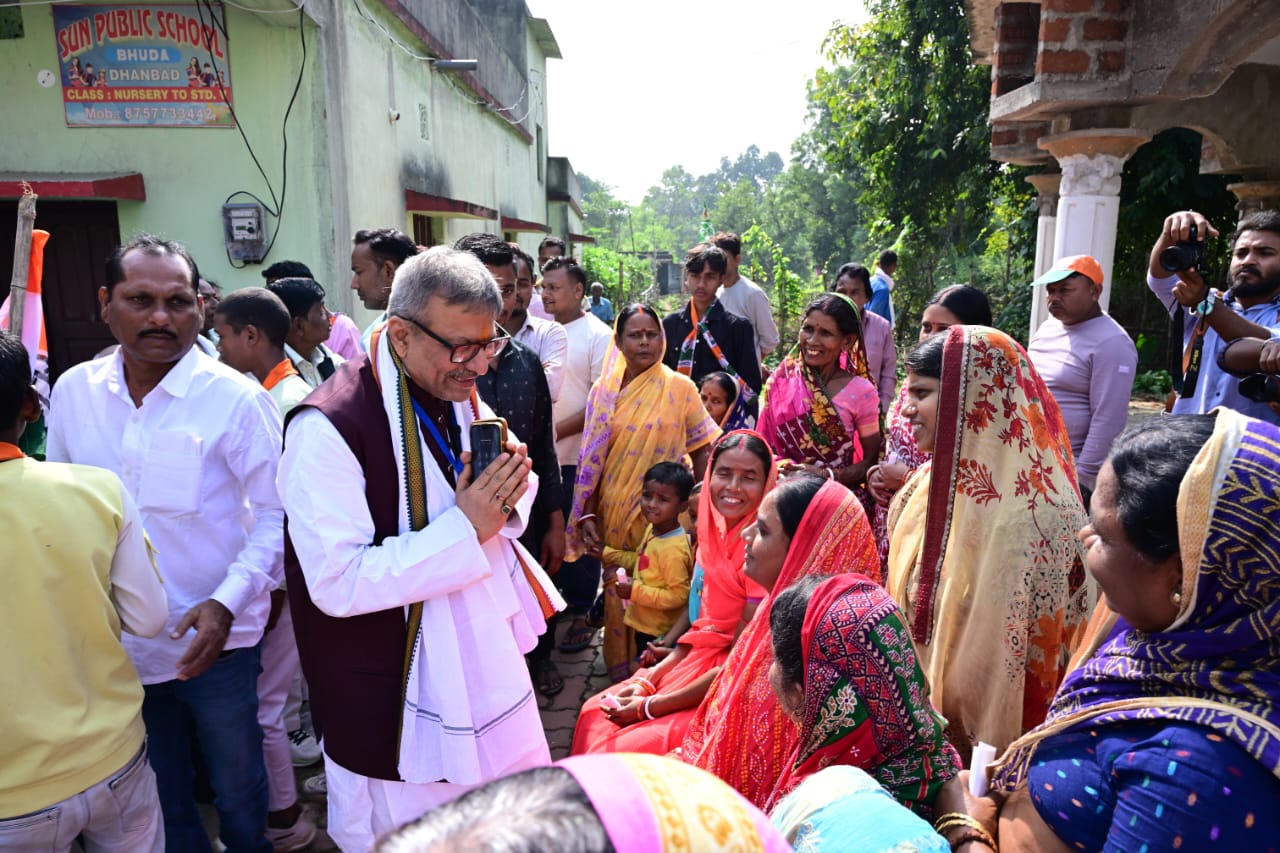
(199, 458)
(309, 368)
(551, 342)
(744, 298)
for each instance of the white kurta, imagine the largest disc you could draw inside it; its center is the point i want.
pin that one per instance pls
(471, 714)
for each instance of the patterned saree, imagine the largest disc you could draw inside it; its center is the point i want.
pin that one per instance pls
(740, 732)
(984, 557)
(1215, 666)
(866, 700)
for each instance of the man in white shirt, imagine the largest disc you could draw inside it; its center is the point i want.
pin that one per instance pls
(563, 284)
(411, 597)
(376, 253)
(196, 445)
(308, 329)
(744, 298)
(545, 337)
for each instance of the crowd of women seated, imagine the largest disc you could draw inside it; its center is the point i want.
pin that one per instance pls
(848, 655)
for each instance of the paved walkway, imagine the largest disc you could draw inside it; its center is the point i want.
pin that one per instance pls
(584, 675)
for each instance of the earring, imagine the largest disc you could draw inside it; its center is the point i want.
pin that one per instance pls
(1177, 597)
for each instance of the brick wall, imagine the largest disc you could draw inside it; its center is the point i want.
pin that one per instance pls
(1017, 35)
(1082, 38)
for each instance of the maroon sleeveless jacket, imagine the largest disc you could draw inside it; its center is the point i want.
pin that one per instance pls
(354, 665)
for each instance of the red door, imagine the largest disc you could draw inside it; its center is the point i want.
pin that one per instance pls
(82, 235)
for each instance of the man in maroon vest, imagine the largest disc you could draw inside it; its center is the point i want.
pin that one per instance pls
(413, 603)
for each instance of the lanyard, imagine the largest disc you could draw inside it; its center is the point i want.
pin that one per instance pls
(439, 439)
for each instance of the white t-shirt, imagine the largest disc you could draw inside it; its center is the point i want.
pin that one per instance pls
(589, 341)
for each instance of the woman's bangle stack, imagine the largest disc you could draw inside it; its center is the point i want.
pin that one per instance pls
(645, 683)
(648, 714)
(974, 830)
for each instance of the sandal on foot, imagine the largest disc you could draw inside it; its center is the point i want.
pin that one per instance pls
(577, 637)
(547, 679)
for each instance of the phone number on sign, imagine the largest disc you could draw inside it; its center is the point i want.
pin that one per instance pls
(168, 114)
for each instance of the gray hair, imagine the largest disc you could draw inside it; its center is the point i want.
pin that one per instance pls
(456, 277)
(529, 812)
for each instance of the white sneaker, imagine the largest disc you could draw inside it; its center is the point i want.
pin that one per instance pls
(296, 837)
(303, 748)
(316, 785)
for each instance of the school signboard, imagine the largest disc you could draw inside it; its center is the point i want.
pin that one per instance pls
(144, 66)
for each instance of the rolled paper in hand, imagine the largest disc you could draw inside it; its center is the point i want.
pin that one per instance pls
(610, 702)
(983, 755)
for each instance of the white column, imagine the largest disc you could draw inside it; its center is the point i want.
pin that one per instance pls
(1046, 185)
(1092, 162)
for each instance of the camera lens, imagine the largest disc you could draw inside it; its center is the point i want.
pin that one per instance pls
(1179, 256)
(1260, 388)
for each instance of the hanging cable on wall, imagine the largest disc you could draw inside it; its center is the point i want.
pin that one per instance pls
(276, 208)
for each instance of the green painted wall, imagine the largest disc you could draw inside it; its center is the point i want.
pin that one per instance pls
(189, 172)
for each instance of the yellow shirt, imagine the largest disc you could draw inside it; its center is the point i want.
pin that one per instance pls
(77, 569)
(660, 573)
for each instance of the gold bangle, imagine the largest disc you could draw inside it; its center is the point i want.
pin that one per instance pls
(977, 832)
(972, 835)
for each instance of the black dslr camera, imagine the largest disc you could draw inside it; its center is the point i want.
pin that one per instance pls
(1260, 388)
(1184, 255)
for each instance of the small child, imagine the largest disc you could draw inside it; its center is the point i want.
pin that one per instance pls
(658, 572)
(719, 392)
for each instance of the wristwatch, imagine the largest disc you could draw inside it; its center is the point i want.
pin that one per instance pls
(1210, 300)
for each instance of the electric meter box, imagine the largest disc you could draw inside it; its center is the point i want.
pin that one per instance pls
(244, 231)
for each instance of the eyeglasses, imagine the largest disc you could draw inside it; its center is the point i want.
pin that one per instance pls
(462, 353)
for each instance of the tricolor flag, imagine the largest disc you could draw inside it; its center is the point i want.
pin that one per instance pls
(33, 318)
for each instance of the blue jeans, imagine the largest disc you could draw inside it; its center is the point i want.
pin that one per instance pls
(221, 707)
(579, 581)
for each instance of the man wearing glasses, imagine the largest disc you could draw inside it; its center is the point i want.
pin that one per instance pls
(413, 602)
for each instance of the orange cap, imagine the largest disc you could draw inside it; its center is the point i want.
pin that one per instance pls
(1071, 265)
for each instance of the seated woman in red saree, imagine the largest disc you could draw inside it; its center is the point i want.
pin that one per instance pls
(818, 414)
(808, 527)
(650, 712)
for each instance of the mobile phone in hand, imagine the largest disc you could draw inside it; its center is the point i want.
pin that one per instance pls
(488, 441)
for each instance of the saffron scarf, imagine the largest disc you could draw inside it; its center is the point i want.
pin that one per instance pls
(651, 804)
(657, 417)
(866, 698)
(684, 364)
(983, 556)
(462, 722)
(1215, 666)
(740, 732)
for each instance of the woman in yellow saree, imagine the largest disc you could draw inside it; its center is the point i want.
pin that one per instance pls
(639, 413)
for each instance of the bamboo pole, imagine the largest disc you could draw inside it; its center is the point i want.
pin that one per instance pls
(21, 258)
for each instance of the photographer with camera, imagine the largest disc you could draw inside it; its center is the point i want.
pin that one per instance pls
(1249, 309)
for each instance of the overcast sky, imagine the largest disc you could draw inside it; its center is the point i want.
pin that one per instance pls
(636, 91)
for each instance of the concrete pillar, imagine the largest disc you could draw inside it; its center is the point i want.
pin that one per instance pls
(1046, 185)
(1092, 162)
(1253, 196)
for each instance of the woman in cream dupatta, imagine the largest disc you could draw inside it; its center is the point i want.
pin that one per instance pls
(984, 557)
